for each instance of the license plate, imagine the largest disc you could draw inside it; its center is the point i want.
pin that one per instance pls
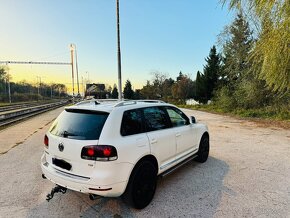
(61, 163)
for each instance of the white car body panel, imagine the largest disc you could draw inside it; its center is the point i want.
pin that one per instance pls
(163, 146)
(169, 147)
(184, 138)
(71, 154)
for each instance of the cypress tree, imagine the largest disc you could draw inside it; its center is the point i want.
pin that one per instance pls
(128, 91)
(211, 73)
(115, 92)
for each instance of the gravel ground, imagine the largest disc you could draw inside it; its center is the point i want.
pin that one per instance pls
(17, 134)
(246, 175)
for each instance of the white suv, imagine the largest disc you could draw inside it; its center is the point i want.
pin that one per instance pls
(119, 148)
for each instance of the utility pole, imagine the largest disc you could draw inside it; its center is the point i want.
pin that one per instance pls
(72, 70)
(37, 87)
(119, 55)
(38, 93)
(5, 87)
(83, 87)
(88, 80)
(39, 84)
(9, 91)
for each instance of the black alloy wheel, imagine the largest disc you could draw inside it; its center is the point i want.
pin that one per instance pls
(142, 185)
(203, 151)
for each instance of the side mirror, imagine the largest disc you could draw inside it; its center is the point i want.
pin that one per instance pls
(193, 119)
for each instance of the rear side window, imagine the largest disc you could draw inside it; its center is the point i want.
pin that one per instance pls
(79, 124)
(155, 119)
(131, 123)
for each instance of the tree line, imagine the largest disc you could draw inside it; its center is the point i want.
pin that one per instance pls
(160, 87)
(25, 91)
(251, 69)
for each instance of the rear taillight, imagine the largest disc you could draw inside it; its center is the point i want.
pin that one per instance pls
(46, 141)
(99, 153)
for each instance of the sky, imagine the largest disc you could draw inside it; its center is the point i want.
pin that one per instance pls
(168, 36)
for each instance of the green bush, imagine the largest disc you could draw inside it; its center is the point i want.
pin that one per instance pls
(274, 112)
(224, 99)
(251, 94)
(19, 97)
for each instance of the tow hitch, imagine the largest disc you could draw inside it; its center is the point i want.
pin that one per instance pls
(56, 189)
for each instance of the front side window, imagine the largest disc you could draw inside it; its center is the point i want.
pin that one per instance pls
(79, 124)
(177, 117)
(155, 119)
(131, 123)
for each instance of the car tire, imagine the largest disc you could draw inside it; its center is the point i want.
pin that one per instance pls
(141, 186)
(203, 150)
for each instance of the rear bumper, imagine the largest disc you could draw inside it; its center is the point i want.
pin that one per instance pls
(88, 185)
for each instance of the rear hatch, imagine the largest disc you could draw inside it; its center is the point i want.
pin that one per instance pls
(70, 132)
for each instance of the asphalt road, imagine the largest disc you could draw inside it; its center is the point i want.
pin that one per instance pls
(246, 175)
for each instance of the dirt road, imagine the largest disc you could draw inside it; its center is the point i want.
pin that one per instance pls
(247, 175)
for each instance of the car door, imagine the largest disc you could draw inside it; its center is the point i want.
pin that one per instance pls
(161, 136)
(133, 141)
(183, 132)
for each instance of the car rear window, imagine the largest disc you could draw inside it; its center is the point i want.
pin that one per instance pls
(79, 124)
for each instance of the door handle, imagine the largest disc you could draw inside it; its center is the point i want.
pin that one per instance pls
(153, 141)
(178, 134)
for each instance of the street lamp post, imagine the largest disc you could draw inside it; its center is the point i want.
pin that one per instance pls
(73, 49)
(77, 70)
(72, 70)
(83, 87)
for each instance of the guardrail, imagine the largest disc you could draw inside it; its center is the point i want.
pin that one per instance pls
(12, 116)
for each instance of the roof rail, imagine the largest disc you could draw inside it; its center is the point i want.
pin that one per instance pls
(151, 101)
(107, 100)
(130, 102)
(96, 101)
(123, 103)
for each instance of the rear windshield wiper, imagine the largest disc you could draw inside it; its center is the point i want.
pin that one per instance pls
(65, 134)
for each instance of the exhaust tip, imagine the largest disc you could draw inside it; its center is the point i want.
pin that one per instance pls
(94, 197)
(43, 176)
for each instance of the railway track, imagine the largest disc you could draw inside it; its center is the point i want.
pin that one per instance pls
(18, 106)
(19, 112)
